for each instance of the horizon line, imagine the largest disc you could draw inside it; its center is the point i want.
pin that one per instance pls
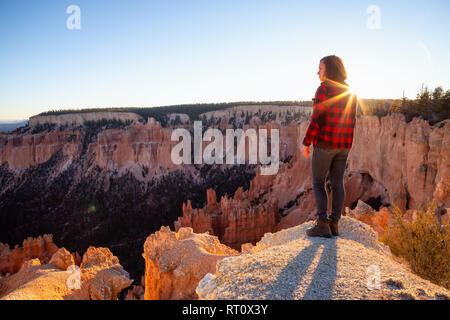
(176, 105)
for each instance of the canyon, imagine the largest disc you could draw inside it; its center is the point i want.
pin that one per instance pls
(114, 186)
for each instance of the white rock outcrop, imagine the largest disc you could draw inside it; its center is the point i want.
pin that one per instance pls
(288, 265)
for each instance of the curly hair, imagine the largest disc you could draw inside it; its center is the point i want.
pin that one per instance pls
(335, 69)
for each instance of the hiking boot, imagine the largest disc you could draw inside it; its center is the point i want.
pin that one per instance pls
(320, 229)
(334, 227)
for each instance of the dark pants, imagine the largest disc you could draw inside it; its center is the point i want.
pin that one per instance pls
(332, 161)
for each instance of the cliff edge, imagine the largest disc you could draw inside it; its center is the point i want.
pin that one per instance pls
(288, 265)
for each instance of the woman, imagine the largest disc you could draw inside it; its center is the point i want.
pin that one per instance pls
(331, 133)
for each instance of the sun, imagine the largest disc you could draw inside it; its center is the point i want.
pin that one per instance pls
(355, 90)
(352, 90)
(349, 89)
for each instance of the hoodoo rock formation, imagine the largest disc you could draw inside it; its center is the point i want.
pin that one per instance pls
(137, 292)
(234, 221)
(41, 248)
(176, 261)
(62, 259)
(100, 277)
(288, 265)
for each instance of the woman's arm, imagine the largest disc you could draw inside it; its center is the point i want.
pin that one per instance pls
(318, 110)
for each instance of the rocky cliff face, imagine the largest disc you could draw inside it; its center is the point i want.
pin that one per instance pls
(24, 151)
(142, 145)
(113, 149)
(408, 159)
(281, 113)
(135, 148)
(411, 160)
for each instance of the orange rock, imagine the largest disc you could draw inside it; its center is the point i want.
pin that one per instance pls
(239, 194)
(234, 221)
(378, 220)
(176, 261)
(137, 292)
(30, 263)
(211, 198)
(409, 159)
(102, 277)
(62, 259)
(41, 247)
(24, 151)
(148, 145)
(246, 247)
(424, 149)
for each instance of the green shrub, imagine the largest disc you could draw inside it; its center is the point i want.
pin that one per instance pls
(423, 243)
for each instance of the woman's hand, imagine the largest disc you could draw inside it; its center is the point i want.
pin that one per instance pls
(305, 151)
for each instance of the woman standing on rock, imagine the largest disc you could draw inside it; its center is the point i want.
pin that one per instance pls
(331, 132)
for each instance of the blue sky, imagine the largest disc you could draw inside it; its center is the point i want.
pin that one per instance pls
(141, 53)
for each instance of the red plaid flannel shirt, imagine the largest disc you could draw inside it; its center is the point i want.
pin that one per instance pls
(333, 117)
